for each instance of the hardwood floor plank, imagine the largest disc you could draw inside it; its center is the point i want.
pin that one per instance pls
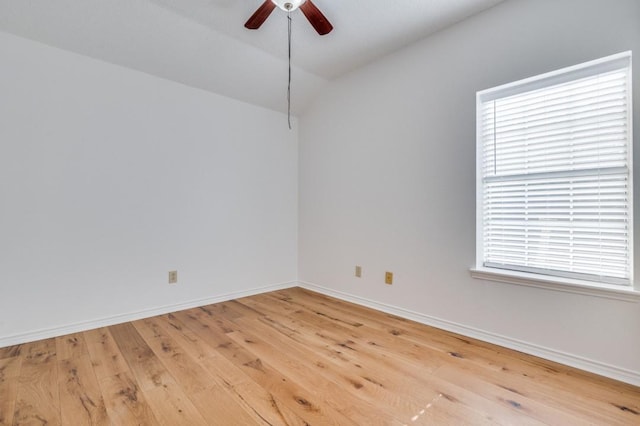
(223, 310)
(284, 391)
(165, 397)
(388, 340)
(402, 389)
(510, 402)
(360, 373)
(219, 408)
(9, 374)
(81, 400)
(172, 406)
(243, 310)
(552, 383)
(70, 346)
(455, 401)
(295, 357)
(37, 396)
(40, 353)
(525, 395)
(339, 392)
(255, 400)
(143, 363)
(106, 358)
(383, 398)
(384, 327)
(537, 373)
(387, 325)
(180, 365)
(306, 404)
(362, 357)
(10, 351)
(125, 403)
(211, 399)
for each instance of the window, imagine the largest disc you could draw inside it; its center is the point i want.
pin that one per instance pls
(554, 174)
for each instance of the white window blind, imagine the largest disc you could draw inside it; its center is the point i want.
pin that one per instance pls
(555, 173)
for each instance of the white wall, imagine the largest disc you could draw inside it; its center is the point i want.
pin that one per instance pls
(387, 181)
(109, 178)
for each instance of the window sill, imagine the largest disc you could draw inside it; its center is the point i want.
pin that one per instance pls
(566, 285)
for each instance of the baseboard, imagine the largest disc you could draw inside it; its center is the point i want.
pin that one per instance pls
(617, 373)
(47, 333)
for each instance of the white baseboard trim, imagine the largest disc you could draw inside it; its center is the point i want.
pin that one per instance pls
(617, 373)
(47, 333)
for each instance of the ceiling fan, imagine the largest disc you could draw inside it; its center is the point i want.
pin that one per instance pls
(313, 14)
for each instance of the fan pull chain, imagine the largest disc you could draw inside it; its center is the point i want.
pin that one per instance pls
(289, 82)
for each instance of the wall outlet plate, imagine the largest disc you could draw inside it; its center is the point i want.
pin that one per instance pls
(358, 271)
(173, 277)
(388, 278)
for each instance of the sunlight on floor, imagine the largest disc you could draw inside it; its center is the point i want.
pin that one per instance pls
(424, 410)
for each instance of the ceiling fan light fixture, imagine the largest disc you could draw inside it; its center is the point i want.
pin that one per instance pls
(288, 5)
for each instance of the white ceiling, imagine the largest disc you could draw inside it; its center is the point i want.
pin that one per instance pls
(203, 43)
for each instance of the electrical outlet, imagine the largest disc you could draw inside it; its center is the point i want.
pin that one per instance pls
(358, 271)
(173, 277)
(388, 278)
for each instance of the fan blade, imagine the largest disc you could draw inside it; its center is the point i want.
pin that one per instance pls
(316, 18)
(260, 15)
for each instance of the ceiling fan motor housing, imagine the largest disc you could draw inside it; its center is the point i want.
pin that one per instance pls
(288, 5)
(317, 20)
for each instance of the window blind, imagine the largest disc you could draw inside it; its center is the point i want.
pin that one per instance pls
(556, 176)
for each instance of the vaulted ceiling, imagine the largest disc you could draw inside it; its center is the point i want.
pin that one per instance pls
(203, 43)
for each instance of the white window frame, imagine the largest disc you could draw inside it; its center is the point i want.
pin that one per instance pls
(553, 282)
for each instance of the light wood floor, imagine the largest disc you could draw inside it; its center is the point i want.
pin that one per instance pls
(294, 357)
